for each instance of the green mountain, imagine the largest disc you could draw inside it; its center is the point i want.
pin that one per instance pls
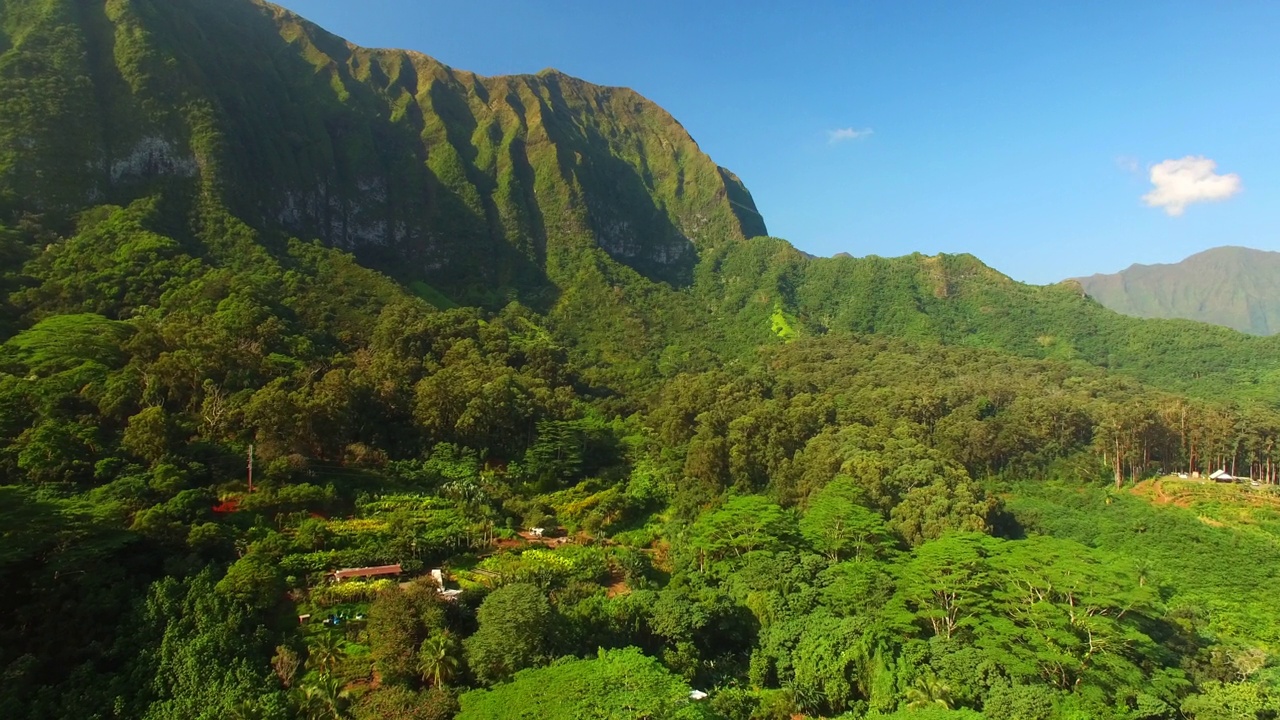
(273, 305)
(588, 204)
(957, 300)
(428, 172)
(1234, 287)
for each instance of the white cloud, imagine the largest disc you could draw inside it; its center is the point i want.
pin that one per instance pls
(1128, 163)
(845, 134)
(1178, 183)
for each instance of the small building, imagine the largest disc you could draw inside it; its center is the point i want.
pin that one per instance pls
(366, 572)
(1221, 476)
(438, 576)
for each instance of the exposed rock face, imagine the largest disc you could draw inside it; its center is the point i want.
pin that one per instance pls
(151, 157)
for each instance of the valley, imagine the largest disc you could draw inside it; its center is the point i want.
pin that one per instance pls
(274, 306)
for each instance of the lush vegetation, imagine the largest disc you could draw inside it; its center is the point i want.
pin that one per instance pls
(830, 525)
(874, 488)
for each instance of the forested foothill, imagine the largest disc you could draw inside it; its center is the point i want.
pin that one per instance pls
(736, 483)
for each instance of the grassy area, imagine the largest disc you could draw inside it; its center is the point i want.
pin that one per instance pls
(1240, 506)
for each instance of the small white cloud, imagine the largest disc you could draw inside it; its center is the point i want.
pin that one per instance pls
(1178, 183)
(846, 134)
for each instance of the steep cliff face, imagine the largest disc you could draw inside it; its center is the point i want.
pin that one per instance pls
(418, 168)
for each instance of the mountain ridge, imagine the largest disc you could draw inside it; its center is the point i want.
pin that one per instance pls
(406, 161)
(1232, 286)
(588, 204)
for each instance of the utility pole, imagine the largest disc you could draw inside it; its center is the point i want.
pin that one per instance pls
(250, 467)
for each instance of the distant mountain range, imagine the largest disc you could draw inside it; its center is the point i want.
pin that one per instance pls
(1235, 287)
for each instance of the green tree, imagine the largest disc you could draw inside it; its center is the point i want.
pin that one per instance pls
(1232, 701)
(326, 699)
(64, 343)
(324, 652)
(932, 713)
(952, 504)
(928, 691)
(396, 702)
(438, 660)
(1019, 702)
(837, 661)
(514, 632)
(149, 434)
(255, 580)
(244, 710)
(399, 621)
(839, 527)
(56, 450)
(212, 652)
(742, 524)
(1069, 611)
(947, 583)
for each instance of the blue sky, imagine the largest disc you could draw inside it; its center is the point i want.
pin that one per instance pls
(1026, 133)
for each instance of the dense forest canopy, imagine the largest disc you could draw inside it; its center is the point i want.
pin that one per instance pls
(275, 306)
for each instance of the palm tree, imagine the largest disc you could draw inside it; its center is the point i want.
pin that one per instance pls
(244, 709)
(325, 652)
(929, 691)
(326, 698)
(438, 659)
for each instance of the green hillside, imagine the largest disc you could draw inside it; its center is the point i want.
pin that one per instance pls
(273, 305)
(588, 204)
(1234, 287)
(957, 300)
(470, 183)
